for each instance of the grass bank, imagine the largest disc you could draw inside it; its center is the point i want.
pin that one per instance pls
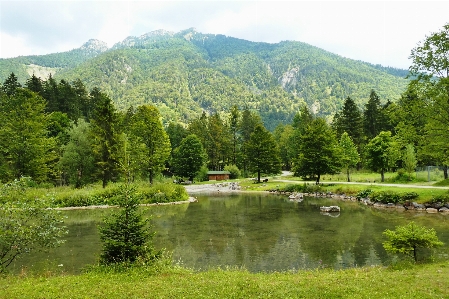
(92, 195)
(416, 281)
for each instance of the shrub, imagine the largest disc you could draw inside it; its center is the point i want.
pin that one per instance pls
(202, 174)
(409, 196)
(443, 198)
(407, 239)
(234, 170)
(305, 188)
(364, 194)
(386, 197)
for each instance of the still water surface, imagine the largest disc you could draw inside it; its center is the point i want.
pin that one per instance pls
(258, 232)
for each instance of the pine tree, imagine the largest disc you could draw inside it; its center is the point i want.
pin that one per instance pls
(11, 84)
(104, 137)
(349, 120)
(126, 234)
(372, 116)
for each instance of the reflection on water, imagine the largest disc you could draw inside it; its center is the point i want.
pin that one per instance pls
(257, 232)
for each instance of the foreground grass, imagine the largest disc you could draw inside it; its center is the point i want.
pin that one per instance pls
(420, 281)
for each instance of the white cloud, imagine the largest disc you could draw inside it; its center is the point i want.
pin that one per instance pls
(13, 46)
(375, 31)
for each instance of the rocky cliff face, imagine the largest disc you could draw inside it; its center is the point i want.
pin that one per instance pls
(94, 46)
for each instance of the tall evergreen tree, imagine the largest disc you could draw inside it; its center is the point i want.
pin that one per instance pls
(104, 136)
(35, 84)
(234, 119)
(372, 116)
(248, 122)
(11, 84)
(350, 120)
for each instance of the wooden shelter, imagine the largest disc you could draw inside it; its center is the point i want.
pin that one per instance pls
(218, 175)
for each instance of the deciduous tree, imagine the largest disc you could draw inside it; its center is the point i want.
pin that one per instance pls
(349, 154)
(262, 153)
(319, 152)
(381, 153)
(409, 238)
(150, 145)
(189, 157)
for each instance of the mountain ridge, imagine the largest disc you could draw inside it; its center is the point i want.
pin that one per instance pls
(187, 72)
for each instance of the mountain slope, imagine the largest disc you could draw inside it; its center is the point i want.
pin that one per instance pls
(187, 72)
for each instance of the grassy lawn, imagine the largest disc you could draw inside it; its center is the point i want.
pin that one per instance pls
(416, 281)
(425, 194)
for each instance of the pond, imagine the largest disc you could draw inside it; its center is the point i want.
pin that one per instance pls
(259, 232)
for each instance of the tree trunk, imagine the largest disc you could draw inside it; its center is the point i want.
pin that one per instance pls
(151, 177)
(347, 172)
(445, 172)
(414, 254)
(382, 175)
(318, 179)
(258, 176)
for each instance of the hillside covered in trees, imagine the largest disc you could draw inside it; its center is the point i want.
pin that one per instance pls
(186, 73)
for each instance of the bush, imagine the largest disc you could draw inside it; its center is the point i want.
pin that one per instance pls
(234, 170)
(409, 196)
(305, 188)
(386, 197)
(442, 198)
(202, 174)
(364, 194)
(407, 239)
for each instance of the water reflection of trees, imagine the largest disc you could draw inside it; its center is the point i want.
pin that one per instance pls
(266, 233)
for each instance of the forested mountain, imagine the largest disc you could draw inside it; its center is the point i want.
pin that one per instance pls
(188, 72)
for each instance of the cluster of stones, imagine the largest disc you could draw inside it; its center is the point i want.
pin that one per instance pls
(232, 185)
(428, 207)
(413, 206)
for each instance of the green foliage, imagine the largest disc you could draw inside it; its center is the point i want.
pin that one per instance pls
(146, 194)
(381, 153)
(25, 147)
(126, 235)
(77, 160)
(304, 188)
(262, 153)
(364, 194)
(319, 152)
(105, 138)
(26, 226)
(409, 238)
(202, 174)
(349, 154)
(234, 170)
(211, 72)
(189, 157)
(150, 144)
(409, 158)
(389, 196)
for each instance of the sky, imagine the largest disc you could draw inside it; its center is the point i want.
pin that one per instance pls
(379, 32)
